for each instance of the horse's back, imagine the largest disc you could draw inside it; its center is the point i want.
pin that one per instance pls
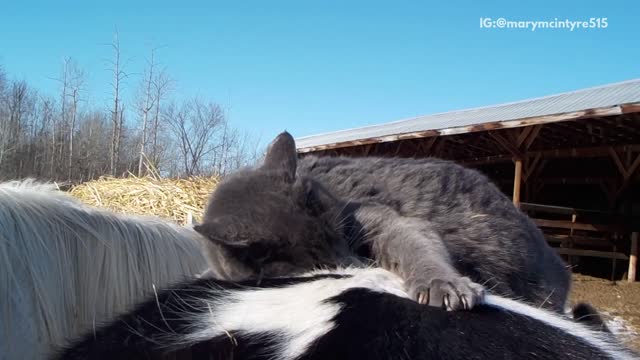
(66, 267)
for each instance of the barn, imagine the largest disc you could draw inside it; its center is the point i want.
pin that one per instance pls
(569, 160)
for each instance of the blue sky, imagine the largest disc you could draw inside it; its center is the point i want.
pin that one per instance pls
(316, 66)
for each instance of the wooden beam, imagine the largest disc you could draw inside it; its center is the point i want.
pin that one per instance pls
(578, 180)
(439, 147)
(366, 150)
(472, 147)
(598, 151)
(506, 144)
(633, 258)
(574, 127)
(531, 167)
(532, 137)
(523, 135)
(398, 147)
(592, 253)
(626, 179)
(427, 145)
(538, 170)
(554, 209)
(560, 135)
(578, 240)
(630, 129)
(634, 166)
(590, 132)
(517, 181)
(567, 224)
(613, 262)
(616, 159)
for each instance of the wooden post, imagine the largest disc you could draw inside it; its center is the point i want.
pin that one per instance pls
(516, 182)
(613, 262)
(570, 258)
(633, 258)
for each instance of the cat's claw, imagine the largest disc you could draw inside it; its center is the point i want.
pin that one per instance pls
(458, 294)
(465, 303)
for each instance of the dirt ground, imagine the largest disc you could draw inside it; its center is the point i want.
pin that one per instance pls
(619, 303)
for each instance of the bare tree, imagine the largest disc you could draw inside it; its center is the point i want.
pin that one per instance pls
(58, 139)
(145, 106)
(161, 85)
(93, 145)
(241, 149)
(76, 78)
(3, 79)
(120, 136)
(4, 118)
(64, 80)
(51, 137)
(19, 103)
(195, 125)
(47, 109)
(17, 109)
(118, 76)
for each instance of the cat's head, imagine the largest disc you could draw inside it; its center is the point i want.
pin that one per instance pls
(266, 221)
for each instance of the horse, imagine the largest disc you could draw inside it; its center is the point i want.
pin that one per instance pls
(66, 267)
(344, 314)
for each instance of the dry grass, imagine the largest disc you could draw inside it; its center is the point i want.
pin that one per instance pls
(174, 199)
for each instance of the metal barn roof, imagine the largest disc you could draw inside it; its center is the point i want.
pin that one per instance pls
(611, 99)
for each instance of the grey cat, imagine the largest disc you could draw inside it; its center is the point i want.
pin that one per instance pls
(443, 228)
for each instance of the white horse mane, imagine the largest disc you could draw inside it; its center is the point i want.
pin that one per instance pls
(66, 267)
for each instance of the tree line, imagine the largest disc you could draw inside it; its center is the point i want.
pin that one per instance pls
(59, 137)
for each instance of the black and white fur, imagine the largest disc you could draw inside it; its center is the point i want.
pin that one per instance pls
(443, 228)
(346, 314)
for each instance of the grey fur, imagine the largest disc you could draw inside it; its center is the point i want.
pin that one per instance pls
(442, 227)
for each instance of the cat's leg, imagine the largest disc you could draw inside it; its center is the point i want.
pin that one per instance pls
(409, 247)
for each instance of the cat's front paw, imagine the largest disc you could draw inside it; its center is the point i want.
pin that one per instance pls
(455, 293)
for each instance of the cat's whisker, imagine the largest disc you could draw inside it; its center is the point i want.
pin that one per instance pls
(484, 283)
(546, 299)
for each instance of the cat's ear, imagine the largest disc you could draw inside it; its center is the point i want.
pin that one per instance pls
(282, 157)
(222, 232)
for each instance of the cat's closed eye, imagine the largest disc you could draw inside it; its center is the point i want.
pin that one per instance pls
(258, 252)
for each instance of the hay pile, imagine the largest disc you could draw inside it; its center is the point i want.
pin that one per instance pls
(175, 199)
